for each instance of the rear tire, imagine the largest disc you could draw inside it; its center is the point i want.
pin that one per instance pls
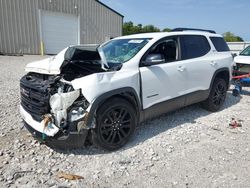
(217, 95)
(115, 124)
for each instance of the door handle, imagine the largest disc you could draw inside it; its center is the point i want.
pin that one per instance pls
(181, 68)
(213, 63)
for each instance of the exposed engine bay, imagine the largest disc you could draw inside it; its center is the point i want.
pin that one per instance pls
(78, 68)
(80, 62)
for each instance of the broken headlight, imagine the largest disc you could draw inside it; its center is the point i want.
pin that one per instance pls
(78, 109)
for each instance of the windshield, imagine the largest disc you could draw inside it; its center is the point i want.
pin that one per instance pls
(246, 52)
(122, 50)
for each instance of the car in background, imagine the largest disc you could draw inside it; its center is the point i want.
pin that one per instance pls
(242, 62)
(241, 72)
(243, 57)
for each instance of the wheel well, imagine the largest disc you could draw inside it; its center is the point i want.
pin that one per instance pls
(129, 96)
(224, 75)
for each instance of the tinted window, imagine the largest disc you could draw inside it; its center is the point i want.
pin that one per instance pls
(219, 44)
(193, 46)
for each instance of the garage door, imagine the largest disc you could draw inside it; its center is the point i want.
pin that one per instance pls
(58, 31)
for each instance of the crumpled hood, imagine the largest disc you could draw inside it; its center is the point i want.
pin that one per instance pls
(242, 59)
(50, 65)
(53, 64)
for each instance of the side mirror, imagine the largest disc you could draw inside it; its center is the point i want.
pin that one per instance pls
(154, 59)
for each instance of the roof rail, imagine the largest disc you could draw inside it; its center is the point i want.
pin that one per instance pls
(192, 29)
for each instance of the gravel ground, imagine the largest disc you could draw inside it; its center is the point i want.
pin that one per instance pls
(187, 148)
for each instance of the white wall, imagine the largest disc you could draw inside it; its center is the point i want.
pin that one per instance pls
(236, 47)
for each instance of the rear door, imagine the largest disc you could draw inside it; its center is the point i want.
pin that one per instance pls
(165, 81)
(222, 55)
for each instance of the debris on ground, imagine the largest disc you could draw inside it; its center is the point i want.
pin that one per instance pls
(69, 176)
(235, 123)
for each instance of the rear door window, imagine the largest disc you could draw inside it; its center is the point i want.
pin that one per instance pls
(220, 44)
(193, 46)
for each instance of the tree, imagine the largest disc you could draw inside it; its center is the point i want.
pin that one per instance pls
(129, 28)
(230, 37)
(149, 29)
(166, 30)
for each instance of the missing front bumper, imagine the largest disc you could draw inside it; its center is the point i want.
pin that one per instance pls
(52, 136)
(71, 140)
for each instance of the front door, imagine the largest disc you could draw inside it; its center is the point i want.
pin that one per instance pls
(164, 81)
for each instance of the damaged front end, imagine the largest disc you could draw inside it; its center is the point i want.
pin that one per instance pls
(53, 111)
(53, 108)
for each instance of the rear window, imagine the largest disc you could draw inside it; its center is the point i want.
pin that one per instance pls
(193, 46)
(220, 44)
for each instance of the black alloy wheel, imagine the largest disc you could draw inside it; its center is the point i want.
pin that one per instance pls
(217, 95)
(116, 122)
(115, 125)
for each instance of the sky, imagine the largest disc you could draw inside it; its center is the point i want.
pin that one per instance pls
(218, 15)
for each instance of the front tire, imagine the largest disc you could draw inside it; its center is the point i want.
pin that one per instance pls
(115, 124)
(217, 95)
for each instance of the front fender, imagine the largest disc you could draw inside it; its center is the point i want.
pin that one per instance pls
(104, 97)
(95, 85)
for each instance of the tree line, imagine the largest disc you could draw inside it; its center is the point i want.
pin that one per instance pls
(130, 28)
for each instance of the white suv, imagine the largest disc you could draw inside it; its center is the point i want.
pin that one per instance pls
(104, 92)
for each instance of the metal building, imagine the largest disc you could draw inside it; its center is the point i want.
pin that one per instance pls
(37, 26)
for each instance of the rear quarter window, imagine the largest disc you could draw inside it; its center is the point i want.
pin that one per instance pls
(219, 44)
(193, 46)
